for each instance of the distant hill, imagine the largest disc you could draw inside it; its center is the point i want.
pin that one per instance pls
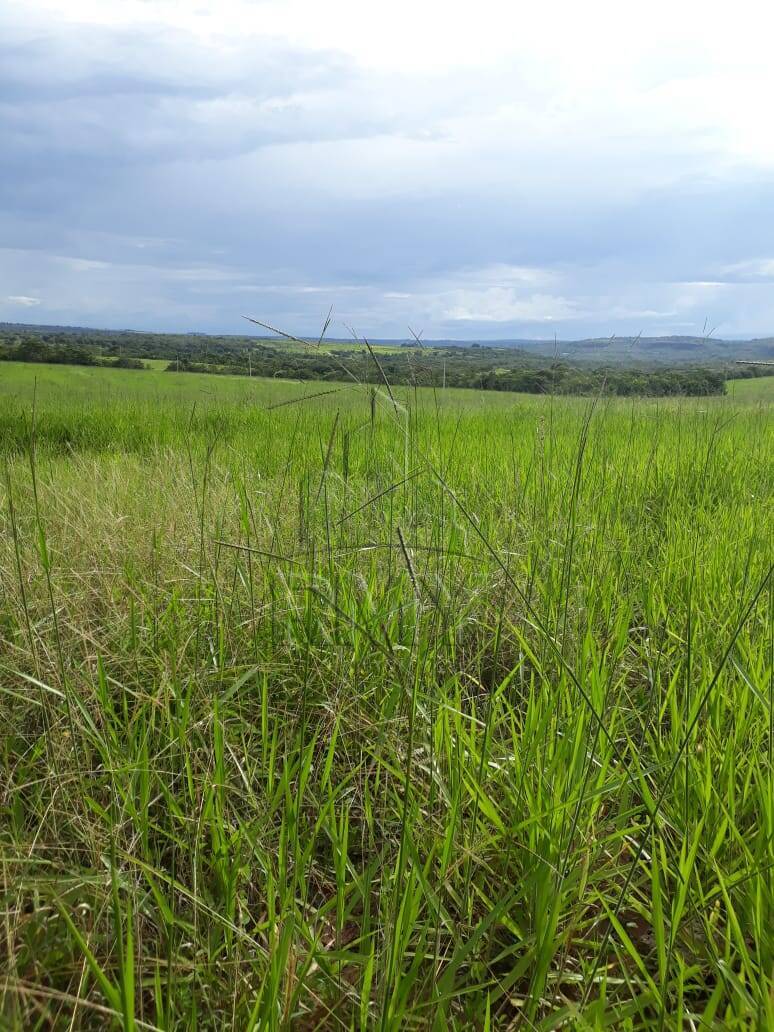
(670, 350)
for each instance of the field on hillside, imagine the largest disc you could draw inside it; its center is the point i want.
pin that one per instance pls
(759, 389)
(327, 707)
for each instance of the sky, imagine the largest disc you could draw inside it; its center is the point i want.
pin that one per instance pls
(484, 170)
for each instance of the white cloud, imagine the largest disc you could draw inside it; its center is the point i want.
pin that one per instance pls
(490, 294)
(23, 299)
(87, 265)
(501, 305)
(753, 269)
(502, 293)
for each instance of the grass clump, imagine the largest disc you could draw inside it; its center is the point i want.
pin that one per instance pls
(427, 710)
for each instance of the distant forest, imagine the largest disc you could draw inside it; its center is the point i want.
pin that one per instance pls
(479, 366)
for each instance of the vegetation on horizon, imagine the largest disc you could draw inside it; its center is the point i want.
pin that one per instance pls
(476, 366)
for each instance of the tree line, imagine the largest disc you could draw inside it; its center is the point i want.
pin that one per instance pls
(482, 367)
(31, 349)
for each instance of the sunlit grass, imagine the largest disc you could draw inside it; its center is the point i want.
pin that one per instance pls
(447, 711)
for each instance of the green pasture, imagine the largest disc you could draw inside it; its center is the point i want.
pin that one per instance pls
(331, 707)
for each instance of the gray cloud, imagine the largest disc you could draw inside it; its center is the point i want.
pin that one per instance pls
(159, 179)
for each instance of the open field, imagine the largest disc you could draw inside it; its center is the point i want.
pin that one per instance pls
(435, 710)
(759, 389)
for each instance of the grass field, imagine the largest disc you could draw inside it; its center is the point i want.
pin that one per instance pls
(422, 711)
(761, 389)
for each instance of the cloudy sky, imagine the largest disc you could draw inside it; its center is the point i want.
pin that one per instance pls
(490, 169)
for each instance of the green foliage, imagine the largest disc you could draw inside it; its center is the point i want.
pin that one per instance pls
(465, 367)
(479, 366)
(30, 349)
(35, 349)
(445, 709)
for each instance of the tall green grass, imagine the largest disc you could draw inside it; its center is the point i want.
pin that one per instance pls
(436, 710)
